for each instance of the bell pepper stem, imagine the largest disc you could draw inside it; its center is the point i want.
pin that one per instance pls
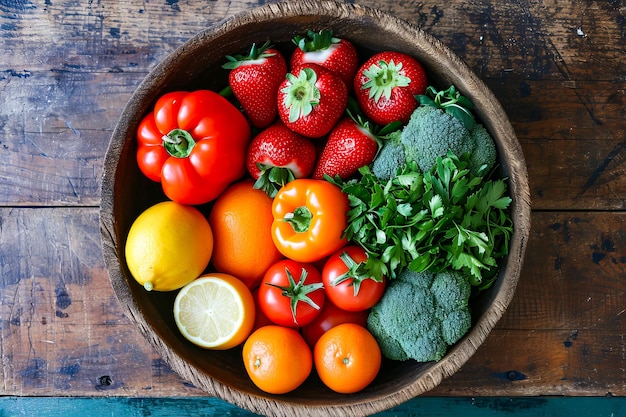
(178, 143)
(300, 219)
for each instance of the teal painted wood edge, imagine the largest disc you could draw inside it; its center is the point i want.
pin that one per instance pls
(206, 406)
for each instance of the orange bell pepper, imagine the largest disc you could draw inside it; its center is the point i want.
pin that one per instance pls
(310, 217)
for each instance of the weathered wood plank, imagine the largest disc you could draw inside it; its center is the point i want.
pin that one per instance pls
(535, 40)
(54, 131)
(573, 274)
(101, 37)
(61, 327)
(62, 331)
(562, 110)
(576, 175)
(542, 362)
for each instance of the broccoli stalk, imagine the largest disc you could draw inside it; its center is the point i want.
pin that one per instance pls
(421, 314)
(442, 124)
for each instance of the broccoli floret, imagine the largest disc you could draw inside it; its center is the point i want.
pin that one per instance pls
(484, 152)
(451, 290)
(389, 345)
(455, 324)
(419, 311)
(422, 279)
(421, 314)
(428, 346)
(432, 133)
(390, 157)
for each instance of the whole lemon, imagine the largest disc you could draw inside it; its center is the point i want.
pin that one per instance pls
(168, 246)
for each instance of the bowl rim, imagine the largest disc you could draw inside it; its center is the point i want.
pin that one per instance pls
(464, 80)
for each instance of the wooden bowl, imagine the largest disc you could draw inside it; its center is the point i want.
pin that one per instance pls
(126, 193)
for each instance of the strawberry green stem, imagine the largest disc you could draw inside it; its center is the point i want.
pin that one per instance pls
(226, 92)
(178, 143)
(256, 52)
(383, 78)
(273, 178)
(315, 41)
(301, 94)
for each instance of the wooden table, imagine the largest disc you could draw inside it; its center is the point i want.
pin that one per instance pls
(67, 69)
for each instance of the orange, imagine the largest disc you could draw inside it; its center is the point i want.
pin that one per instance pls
(215, 311)
(347, 358)
(241, 220)
(277, 359)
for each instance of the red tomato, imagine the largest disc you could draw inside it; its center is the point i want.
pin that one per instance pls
(291, 293)
(345, 283)
(329, 317)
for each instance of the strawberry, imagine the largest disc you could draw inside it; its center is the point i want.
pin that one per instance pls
(337, 55)
(278, 155)
(350, 146)
(254, 79)
(386, 85)
(311, 99)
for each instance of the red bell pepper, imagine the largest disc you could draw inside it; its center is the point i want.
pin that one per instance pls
(194, 143)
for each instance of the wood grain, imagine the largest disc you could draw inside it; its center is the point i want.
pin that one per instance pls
(67, 68)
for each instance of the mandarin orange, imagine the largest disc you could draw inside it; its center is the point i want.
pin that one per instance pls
(277, 359)
(347, 358)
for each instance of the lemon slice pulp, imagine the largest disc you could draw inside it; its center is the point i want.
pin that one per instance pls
(215, 311)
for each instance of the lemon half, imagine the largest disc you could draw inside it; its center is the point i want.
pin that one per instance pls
(215, 311)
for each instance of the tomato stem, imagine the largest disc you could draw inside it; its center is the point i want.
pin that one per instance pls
(300, 219)
(354, 272)
(178, 143)
(298, 291)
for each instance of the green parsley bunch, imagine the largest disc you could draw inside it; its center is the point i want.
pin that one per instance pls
(445, 218)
